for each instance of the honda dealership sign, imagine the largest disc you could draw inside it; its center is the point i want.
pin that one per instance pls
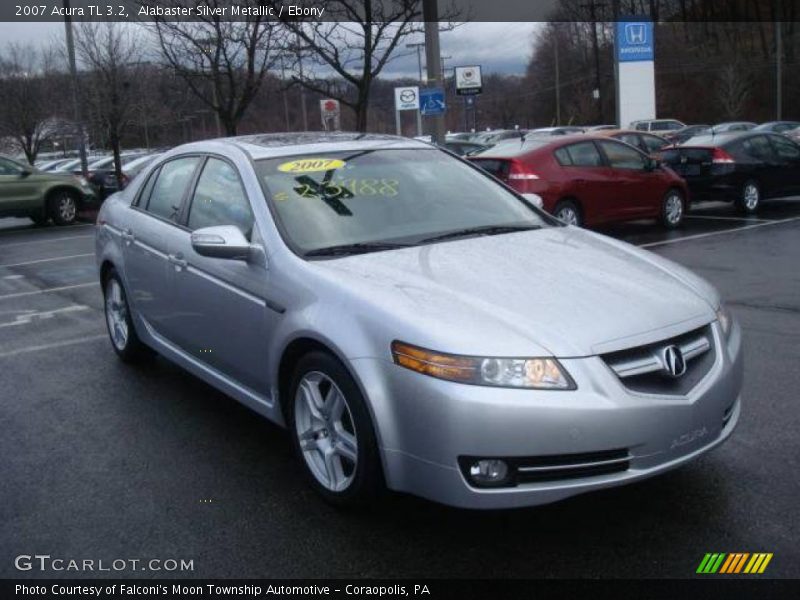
(636, 84)
(634, 41)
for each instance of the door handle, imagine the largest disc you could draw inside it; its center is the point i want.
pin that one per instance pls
(178, 260)
(127, 235)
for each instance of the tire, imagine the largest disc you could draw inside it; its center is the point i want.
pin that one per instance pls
(749, 199)
(326, 412)
(121, 332)
(568, 212)
(40, 218)
(673, 209)
(63, 207)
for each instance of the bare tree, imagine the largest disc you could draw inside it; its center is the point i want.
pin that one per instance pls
(111, 55)
(355, 45)
(26, 111)
(733, 91)
(222, 62)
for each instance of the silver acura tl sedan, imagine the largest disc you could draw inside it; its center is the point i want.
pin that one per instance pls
(413, 322)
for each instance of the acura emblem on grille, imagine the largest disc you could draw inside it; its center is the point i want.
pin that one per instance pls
(674, 363)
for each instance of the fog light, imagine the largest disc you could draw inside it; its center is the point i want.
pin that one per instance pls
(488, 471)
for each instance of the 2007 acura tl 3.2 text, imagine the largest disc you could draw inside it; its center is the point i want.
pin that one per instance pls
(414, 323)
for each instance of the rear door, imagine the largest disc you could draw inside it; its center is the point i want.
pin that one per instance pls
(788, 157)
(590, 181)
(762, 163)
(148, 238)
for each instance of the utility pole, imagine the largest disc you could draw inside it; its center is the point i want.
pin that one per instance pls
(73, 71)
(596, 47)
(430, 13)
(779, 64)
(558, 77)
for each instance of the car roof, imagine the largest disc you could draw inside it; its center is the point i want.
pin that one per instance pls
(272, 145)
(613, 132)
(531, 144)
(719, 139)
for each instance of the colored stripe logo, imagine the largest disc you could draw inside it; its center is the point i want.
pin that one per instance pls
(734, 563)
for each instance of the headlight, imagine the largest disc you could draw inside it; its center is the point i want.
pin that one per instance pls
(532, 373)
(725, 320)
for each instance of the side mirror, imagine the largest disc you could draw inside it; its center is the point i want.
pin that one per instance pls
(650, 164)
(25, 173)
(534, 199)
(222, 241)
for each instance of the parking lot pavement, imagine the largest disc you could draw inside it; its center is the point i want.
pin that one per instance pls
(105, 461)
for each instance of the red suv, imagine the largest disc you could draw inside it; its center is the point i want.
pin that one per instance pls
(588, 180)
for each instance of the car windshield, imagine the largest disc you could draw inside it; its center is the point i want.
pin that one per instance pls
(374, 197)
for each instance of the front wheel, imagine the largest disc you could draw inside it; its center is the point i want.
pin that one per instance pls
(568, 212)
(332, 432)
(673, 209)
(750, 197)
(63, 208)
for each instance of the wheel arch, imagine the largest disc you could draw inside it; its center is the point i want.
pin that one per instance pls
(50, 192)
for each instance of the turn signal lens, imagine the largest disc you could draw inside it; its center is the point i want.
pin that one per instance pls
(532, 373)
(725, 322)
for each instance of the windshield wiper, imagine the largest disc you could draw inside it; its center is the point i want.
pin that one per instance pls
(482, 230)
(359, 248)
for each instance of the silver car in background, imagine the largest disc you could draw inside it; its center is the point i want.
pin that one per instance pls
(414, 323)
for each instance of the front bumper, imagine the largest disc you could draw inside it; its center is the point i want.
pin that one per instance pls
(89, 199)
(424, 425)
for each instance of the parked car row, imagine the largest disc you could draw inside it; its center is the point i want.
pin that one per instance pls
(614, 175)
(26, 191)
(57, 190)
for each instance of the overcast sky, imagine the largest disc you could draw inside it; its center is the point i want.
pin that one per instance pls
(497, 47)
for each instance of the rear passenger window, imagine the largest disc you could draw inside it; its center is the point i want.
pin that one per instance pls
(170, 187)
(758, 147)
(219, 199)
(785, 148)
(622, 157)
(147, 189)
(584, 154)
(562, 156)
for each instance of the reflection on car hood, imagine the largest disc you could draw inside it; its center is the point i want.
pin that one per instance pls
(561, 290)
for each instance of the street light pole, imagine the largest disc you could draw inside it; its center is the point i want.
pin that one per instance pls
(418, 46)
(73, 71)
(302, 87)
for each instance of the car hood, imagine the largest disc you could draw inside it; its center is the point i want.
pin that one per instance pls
(561, 290)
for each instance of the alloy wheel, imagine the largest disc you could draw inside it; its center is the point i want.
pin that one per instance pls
(325, 430)
(66, 208)
(568, 215)
(751, 196)
(116, 314)
(674, 209)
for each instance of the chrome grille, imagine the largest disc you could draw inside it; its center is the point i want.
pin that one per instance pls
(643, 369)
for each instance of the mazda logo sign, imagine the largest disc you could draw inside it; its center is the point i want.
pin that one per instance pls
(407, 96)
(673, 361)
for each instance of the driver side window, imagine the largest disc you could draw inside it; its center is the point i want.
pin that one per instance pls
(219, 199)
